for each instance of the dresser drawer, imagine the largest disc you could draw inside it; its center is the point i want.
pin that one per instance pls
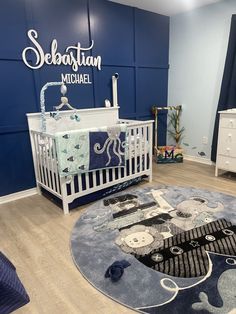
(227, 151)
(227, 142)
(228, 122)
(226, 163)
(228, 135)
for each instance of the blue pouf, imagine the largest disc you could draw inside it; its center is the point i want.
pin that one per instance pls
(12, 292)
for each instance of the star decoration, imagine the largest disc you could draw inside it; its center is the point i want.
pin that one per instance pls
(194, 243)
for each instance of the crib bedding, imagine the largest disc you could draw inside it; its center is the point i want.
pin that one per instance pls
(129, 147)
(80, 151)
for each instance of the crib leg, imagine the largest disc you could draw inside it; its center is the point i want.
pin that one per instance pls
(65, 204)
(150, 169)
(65, 207)
(150, 178)
(39, 190)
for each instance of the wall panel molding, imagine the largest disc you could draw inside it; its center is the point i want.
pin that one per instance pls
(13, 129)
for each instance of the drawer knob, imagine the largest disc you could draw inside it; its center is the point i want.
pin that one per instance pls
(227, 162)
(228, 149)
(231, 121)
(229, 135)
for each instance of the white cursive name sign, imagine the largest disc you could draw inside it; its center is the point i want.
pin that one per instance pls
(73, 56)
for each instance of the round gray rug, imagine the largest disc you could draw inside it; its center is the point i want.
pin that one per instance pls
(180, 244)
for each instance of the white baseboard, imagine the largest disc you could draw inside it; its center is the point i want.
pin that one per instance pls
(17, 195)
(201, 160)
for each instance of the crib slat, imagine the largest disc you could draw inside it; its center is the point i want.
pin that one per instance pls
(35, 141)
(107, 175)
(38, 158)
(80, 187)
(130, 152)
(100, 177)
(135, 150)
(140, 148)
(72, 185)
(44, 153)
(51, 172)
(55, 165)
(119, 173)
(86, 180)
(43, 164)
(145, 147)
(125, 156)
(150, 145)
(40, 162)
(125, 167)
(47, 149)
(113, 174)
(150, 152)
(94, 179)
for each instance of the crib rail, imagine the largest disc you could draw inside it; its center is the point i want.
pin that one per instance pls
(138, 163)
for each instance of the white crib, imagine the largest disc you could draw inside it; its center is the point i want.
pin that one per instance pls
(138, 157)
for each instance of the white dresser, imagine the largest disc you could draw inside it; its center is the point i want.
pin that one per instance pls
(226, 150)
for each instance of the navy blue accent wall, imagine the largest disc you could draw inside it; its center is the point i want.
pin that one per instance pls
(132, 42)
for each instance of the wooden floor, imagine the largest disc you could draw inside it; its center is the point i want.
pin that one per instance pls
(35, 235)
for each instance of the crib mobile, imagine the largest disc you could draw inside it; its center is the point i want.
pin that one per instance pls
(64, 103)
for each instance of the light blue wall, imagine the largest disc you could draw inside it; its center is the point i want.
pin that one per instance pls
(198, 46)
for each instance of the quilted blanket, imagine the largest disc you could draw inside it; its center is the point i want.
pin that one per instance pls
(85, 150)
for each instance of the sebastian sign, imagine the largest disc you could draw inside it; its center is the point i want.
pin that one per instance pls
(74, 56)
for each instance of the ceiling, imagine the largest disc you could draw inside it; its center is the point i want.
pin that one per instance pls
(166, 7)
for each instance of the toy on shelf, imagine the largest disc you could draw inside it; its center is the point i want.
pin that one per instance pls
(169, 154)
